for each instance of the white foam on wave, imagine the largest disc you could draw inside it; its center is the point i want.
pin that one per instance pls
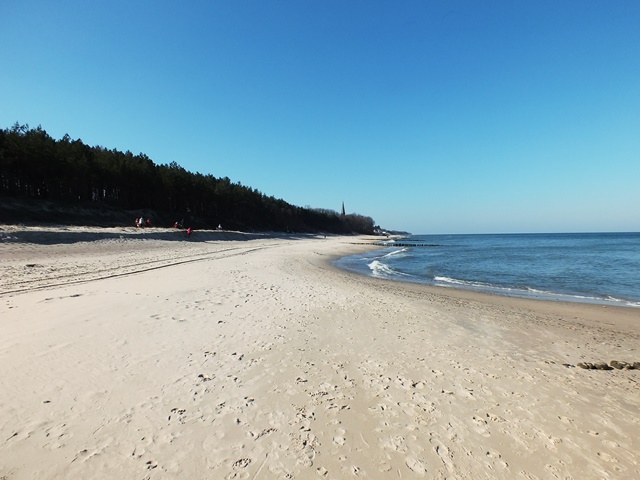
(584, 298)
(381, 269)
(530, 292)
(455, 281)
(626, 303)
(396, 252)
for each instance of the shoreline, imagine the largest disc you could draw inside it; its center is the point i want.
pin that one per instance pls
(478, 285)
(260, 359)
(626, 318)
(58, 236)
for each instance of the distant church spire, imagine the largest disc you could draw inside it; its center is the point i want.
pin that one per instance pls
(343, 208)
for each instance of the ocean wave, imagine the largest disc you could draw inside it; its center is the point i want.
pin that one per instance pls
(396, 252)
(455, 281)
(558, 294)
(381, 269)
(584, 298)
(530, 292)
(626, 303)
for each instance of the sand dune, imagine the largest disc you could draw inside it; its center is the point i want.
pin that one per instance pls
(130, 354)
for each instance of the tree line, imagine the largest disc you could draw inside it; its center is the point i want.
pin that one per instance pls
(34, 165)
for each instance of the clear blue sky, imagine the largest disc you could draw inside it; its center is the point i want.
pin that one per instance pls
(429, 116)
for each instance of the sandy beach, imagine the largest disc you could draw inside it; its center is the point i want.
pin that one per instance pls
(141, 354)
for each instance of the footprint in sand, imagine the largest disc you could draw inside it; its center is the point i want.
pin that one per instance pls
(482, 426)
(339, 438)
(179, 413)
(416, 466)
(264, 432)
(396, 444)
(241, 463)
(496, 459)
(566, 420)
(607, 458)
(321, 471)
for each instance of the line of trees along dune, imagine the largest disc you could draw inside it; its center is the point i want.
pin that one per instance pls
(34, 165)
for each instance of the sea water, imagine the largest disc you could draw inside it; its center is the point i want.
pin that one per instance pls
(602, 268)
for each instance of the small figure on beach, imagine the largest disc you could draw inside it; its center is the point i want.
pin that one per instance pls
(147, 222)
(219, 226)
(189, 232)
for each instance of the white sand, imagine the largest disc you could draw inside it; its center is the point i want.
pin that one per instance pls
(144, 357)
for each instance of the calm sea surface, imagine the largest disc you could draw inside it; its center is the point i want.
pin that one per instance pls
(601, 268)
